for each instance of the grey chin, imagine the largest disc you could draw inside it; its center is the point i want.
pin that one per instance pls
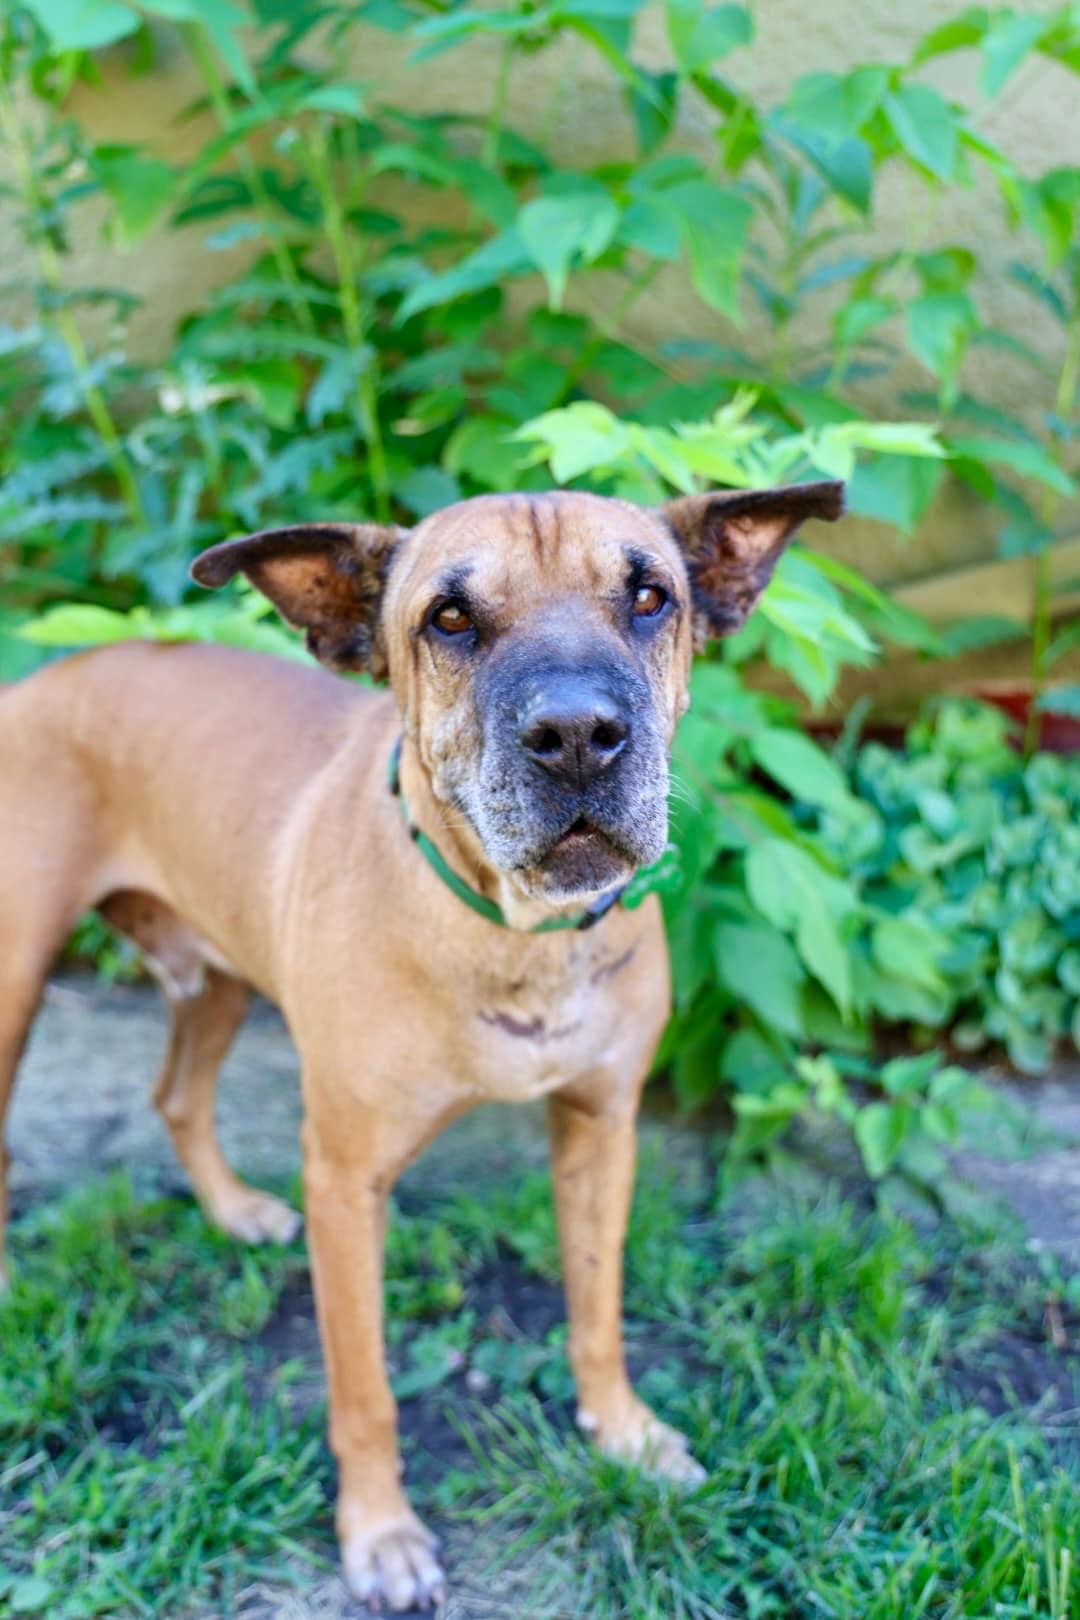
(582, 871)
(582, 868)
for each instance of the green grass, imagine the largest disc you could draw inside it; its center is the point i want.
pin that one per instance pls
(846, 1379)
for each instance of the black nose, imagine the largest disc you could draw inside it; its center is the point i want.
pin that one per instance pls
(574, 730)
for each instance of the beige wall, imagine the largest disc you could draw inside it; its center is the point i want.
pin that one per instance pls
(569, 93)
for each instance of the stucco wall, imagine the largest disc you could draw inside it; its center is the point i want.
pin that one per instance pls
(569, 95)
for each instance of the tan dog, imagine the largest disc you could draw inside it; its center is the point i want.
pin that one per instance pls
(235, 815)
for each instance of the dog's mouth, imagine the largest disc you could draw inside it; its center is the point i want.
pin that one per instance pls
(584, 859)
(579, 830)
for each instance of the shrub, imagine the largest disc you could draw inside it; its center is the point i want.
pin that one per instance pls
(972, 855)
(364, 364)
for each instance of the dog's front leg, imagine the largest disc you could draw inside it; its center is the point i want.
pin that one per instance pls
(593, 1150)
(387, 1554)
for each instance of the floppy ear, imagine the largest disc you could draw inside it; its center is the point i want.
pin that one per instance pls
(325, 578)
(732, 541)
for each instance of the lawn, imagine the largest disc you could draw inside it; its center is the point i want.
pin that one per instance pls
(888, 1429)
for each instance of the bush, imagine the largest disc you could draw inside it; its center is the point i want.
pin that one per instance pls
(973, 856)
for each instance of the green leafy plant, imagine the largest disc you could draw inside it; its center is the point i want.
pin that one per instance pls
(972, 856)
(368, 361)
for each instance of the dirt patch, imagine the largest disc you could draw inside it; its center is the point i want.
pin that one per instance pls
(1015, 1372)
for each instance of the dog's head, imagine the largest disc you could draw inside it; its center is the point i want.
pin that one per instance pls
(539, 649)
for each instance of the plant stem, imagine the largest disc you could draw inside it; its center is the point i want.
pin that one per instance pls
(355, 317)
(203, 57)
(489, 152)
(61, 317)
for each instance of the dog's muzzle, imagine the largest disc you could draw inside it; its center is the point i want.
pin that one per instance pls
(571, 788)
(574, 728)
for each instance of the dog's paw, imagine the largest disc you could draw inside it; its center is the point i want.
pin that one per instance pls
(393, 1565)
(642, 1441)
(256, 1217)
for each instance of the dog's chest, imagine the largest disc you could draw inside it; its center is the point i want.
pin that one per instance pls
(542, 1024)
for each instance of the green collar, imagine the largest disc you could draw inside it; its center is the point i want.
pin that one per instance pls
(587, 918)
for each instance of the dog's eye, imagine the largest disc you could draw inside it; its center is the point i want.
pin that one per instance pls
(451, 619)
(648, 600)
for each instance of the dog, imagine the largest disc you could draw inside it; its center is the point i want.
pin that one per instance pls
(425, 879)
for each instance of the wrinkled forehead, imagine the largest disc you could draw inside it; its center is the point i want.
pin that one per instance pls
(504, 547)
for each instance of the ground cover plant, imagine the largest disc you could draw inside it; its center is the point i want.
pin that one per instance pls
(971, 853)
(886, 1426)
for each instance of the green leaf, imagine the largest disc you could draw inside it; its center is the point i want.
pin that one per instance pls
(335, 384)
(577, 438)
(83, 25)
(1068, 970)
(222, 21)
(762, 1116)
(347, 99)
(925, 126)
(652, 109)
(1066, 641)
(481, 447)
(795, 893)
(556, 231)
(955, 35)
(1061, 700)
(450, 28)
(833, 448)
(425, 489)
(139, 188)
(981, 630)
(858, 316)
(938, 325)
(909, 949)
(909, 1074)
(880, 1130)
(651, 228)
(1028, 1049)
(894, 489)
(1005, 46)
(759, 966)
(801, 767)
(75, 625)
(846, 166)
(274, 387)
(946, 270)
(502, 255)
(835, 107)
(31, 1595)
(712, 223)
(1023, 456)
(700, 35)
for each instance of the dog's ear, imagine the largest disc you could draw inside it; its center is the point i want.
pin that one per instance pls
(325, 578)
(732, 540)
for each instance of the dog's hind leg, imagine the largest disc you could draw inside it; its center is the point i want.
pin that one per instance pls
(206, 1007)
(200, 1033)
